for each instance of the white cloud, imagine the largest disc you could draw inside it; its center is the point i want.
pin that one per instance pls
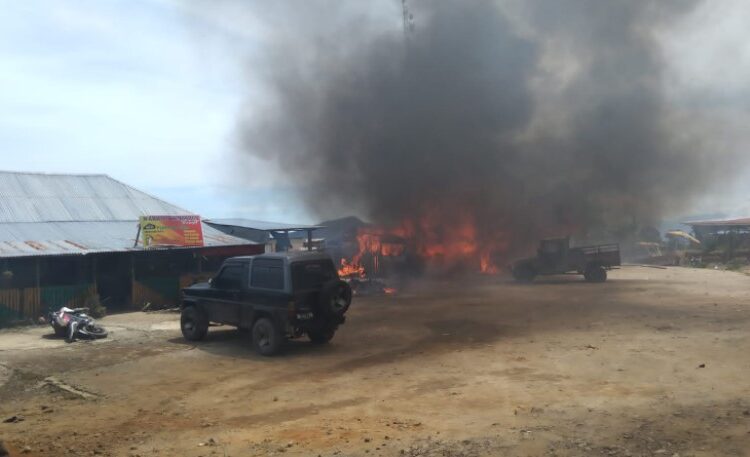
(148, 95)
(104, 87)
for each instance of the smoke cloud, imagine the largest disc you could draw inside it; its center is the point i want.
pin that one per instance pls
(521, 119)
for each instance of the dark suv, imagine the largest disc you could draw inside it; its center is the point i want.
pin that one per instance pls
(275, 296)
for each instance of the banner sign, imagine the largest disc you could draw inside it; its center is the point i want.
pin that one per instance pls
(171, 231)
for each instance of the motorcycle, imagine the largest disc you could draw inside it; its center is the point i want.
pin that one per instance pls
(72, 322)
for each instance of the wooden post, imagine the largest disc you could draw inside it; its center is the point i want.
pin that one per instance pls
(309, 240)
(38, 281)
(37, 285)
(137, 235)
(93, 273)
(132, 279)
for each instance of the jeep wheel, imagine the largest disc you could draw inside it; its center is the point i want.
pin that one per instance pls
(266, 337)
(595, 274)
(321, 336)
(194, 323)
(335, 298)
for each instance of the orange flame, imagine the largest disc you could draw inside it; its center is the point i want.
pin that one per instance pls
(351, 270)
(441, 238)
(485, 264)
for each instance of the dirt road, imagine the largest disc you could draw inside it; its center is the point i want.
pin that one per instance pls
(653, 362)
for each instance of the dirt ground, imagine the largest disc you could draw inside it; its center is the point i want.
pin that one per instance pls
(653, 362)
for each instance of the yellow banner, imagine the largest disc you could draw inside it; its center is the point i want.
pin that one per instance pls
(171, 231)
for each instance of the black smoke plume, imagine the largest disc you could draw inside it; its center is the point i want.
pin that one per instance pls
(525, 119)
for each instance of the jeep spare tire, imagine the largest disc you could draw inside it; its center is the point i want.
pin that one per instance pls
(335, 298)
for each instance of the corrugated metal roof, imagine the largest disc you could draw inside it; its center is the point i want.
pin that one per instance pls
(60, 238)
(38, 197)
(261, 225)
(721, 223)
(53, 214)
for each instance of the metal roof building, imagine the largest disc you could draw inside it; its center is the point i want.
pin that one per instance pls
(53, 214)
(262, 231)
(262, 225)
(721, 223)
(66, 240)
(725, 238)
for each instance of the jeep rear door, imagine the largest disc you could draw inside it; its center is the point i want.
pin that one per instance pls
(267, 284)
(226, 293)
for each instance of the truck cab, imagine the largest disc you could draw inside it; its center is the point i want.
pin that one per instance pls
(553, 253)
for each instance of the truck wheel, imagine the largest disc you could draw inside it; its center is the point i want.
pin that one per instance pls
(266, 337)
(524, 273)
(194, 323)
(595, 274)
(321, 336)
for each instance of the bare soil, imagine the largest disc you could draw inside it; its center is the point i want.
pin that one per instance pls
(653, 362)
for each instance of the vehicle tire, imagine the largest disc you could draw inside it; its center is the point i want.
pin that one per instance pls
(524, 273)
(194, 323)
(93, 331)
(321, 336)
(335, 298)
(595, 273)
(266, 337)
(59, 331)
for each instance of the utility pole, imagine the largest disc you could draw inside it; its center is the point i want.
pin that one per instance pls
(408, 19)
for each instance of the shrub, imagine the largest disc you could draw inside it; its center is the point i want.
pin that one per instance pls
(94, 304)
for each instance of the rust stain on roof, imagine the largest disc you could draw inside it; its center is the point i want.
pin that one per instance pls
(36, 245)
(79, 246)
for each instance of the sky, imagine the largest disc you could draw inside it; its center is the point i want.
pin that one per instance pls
(149, 92)
(144, 91)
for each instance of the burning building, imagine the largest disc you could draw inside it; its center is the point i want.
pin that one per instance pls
(381, 251)
(482, 126)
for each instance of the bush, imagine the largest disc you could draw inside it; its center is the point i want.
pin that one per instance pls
(736, 264)
(94, 304)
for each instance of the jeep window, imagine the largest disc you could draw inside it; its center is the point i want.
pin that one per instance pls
(312, 274)
(267, 274)
(230, 277)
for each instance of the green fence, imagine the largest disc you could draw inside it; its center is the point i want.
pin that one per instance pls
(32, 302)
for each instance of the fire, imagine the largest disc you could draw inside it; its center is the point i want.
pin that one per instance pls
(351, 269)
(456, 240)
(485, 264)
(437, 241)
(446, 243)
